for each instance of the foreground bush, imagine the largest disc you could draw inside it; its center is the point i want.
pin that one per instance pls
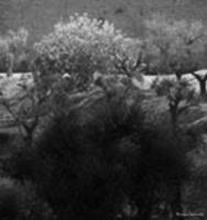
(10, 204)
(19, 201)
(100, 158)
(79, 162)
(162, 168)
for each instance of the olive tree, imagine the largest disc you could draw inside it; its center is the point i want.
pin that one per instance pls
(12, 49)
(180, 97)
(175, 46)
(27, 107)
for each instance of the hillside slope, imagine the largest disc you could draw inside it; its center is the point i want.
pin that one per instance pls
(39, 16)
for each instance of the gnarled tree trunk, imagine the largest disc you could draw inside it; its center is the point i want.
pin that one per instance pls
(202, 82)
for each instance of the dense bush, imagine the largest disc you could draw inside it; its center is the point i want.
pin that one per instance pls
(10, 204)
(162, 168)
(100, 158)
(162, 87)
(79, 163)
(170, 87)
(20, 201)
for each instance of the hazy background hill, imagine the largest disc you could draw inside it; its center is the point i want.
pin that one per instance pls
(39, 16)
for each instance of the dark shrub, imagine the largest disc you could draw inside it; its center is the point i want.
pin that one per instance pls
(162, 168)
(10, 207)
(4, 138)
(82, 159)
(162, 87)
(89, 162)
(19, 202)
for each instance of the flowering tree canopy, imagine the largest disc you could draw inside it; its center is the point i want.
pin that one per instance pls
(83, 46)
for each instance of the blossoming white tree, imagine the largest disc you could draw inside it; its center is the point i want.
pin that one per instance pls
(83, 46)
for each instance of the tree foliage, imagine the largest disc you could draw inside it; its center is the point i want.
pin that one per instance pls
(28, 107)
(174, 46)
(83, 46)
(99, 158)
(12, 50)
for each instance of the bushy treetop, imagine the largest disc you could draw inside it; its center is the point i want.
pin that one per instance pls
(83, 46)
